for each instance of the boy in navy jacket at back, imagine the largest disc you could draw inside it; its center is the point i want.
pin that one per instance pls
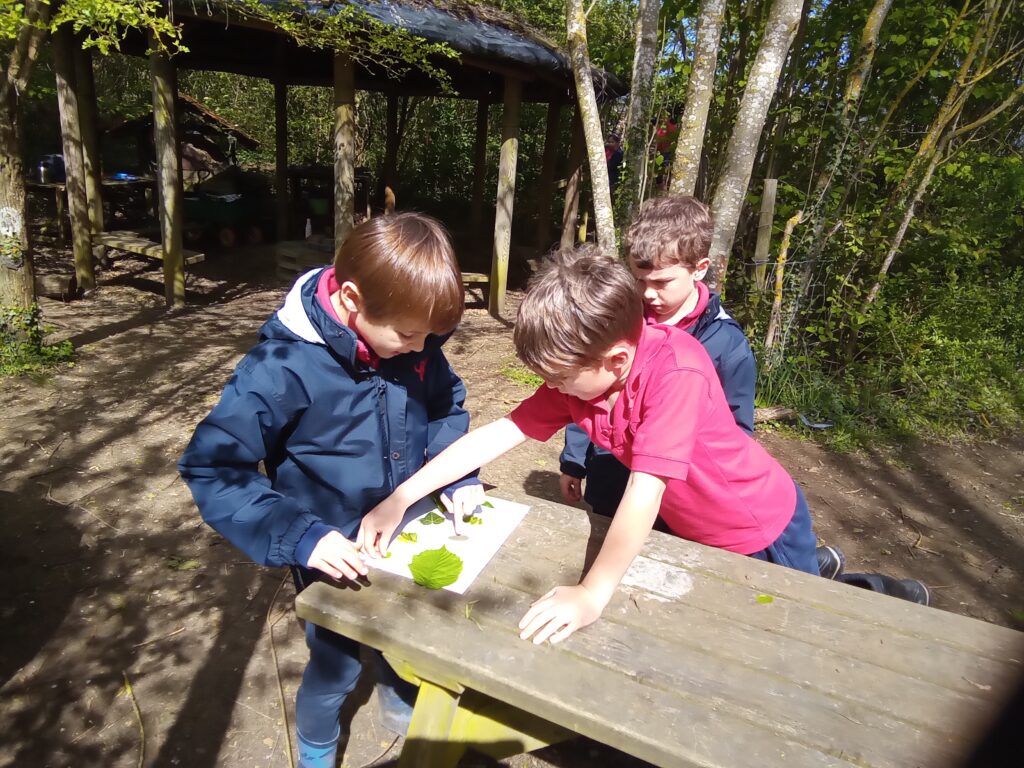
(345, 396)
(667, 250)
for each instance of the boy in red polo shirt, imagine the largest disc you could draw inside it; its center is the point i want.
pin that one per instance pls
(650, 395)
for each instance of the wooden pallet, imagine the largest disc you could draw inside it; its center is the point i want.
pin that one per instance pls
(133, 242)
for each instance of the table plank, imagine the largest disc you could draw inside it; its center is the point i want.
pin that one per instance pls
(687, 667)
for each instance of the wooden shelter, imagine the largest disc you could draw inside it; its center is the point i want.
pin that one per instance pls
(499, 59)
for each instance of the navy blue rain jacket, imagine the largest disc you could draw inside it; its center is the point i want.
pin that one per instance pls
(726, 344)
(335, 437)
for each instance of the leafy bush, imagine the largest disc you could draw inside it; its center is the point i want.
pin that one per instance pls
(21, 343)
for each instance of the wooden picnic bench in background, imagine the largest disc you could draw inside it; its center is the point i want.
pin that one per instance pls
(133, 242)
(703, 658)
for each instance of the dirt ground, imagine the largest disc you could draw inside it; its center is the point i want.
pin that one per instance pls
(112, 578)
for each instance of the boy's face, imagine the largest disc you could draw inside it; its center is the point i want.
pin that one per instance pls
(667, 289)
(388, 339)
(598, 380)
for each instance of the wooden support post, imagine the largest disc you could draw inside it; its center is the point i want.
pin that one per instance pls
(390, 145)
(479, 167)
(505, 197)
(547, 174)
(168, 172)
(90, 139)
(574, 176)
(344, 147)
(764, 232)
(282, 202)
(74, 165)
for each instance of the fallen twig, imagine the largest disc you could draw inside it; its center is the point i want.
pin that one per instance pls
(277, 670)
(138, 717)
(157, 639)
(382, 754)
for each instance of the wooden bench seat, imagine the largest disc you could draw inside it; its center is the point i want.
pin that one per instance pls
(133, 242)
(703, 658)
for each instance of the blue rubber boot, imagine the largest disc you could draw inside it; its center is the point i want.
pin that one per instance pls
(395, 698)
(317, 755)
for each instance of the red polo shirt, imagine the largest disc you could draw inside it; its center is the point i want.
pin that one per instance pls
(672, 420)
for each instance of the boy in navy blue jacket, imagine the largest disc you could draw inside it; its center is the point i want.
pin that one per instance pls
(345, 396)
(667, 250)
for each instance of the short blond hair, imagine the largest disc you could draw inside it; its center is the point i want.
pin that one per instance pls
(674, 229)
(577, 306)
(406, 269)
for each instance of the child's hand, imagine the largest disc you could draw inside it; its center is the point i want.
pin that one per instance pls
(570, 487)
(379, 524)
(464, 501)
(337, 557)
(559, 613)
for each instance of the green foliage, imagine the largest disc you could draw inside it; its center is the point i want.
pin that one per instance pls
(22, 350)
(521, 375)
(436, 568)
(409, 538)
(432, 518)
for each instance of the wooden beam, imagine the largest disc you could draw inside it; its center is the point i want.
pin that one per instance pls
(390, 144)
(505, 197)
(479, 167)
(90, 137)
(574, 175)
(764, 232)
(282, 201)
(168, 171)
(546, 182)
(74, 165)
(344, 147)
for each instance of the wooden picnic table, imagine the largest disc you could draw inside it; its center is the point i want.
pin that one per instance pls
(59, 189)
(703, 658)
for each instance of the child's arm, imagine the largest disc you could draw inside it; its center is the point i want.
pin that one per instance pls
(465, 455)
(563, 610)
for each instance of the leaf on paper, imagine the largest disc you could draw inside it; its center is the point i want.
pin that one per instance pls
(409, 537)
(432, 518)
(472, 519)
(488, 505)
(436, 568)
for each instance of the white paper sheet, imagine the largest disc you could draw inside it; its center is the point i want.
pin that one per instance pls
(481, 544)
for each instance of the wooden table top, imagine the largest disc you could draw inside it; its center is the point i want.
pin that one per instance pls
(703, 657)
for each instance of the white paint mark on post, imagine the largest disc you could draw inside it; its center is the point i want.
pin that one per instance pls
(10, 222)
(662, 581)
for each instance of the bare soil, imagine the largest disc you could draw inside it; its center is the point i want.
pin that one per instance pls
(111, 576)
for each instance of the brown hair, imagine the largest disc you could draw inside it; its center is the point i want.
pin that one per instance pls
(675, 229)
(406, 269)
(577, 306)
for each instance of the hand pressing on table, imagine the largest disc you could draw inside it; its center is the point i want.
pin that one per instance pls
(559, 613)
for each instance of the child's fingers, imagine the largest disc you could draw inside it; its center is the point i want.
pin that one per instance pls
(360, 534)
(564, 632)
(550, 593)
(557, 622)
(539, 620)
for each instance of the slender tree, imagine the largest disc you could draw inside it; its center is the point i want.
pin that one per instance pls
(576, 28)
(638, 113)
(699, 91)
(746, 134)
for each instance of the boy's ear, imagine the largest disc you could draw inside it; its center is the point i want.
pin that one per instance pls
(350, 297)
(618, 356)
(701, 268)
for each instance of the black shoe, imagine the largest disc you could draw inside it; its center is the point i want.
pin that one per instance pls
(831, 562)
(905, 589)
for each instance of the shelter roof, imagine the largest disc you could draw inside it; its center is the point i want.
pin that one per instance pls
(490, 44)
(189, 107)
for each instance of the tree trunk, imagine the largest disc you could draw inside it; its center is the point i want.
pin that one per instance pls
(546, 182)
(282, 201)
(390, 144)
(86, 86)
(476, 215)
(505, 197)
(574, 180)
(74, 163)
(17, 276)
(739, 157)
(699, 91)
(780, 270)
(168, 166)
(638, 114)
(576, 27)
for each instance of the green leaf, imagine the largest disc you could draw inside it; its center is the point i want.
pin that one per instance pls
(409, 537)
(488, 505)
(432, 518)
(436, 568)
(472, 519)
(765, 599)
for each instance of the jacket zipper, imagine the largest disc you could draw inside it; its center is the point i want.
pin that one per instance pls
(382, 410)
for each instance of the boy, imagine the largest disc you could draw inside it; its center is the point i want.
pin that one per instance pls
(648, 393)
(343, 398)
(667, 251)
